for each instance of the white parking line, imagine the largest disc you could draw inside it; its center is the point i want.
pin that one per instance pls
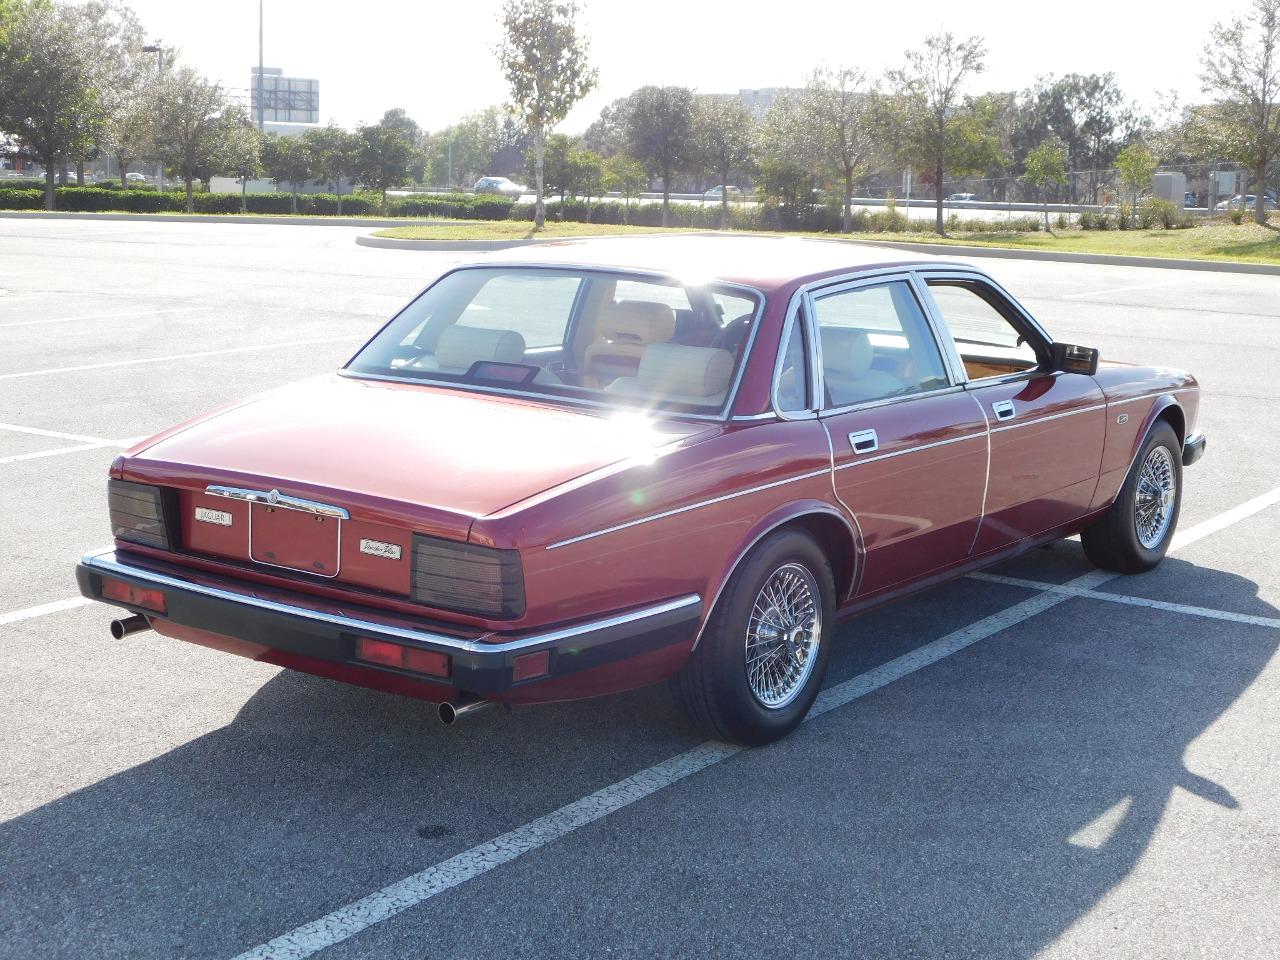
(32, 612)
(182, 356)
(57, 434)
(1103, 293)
(59, 451)
(347, 921)
(102, 316)
(1208, 612)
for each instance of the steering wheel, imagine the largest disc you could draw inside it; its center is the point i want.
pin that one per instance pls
(734, 331)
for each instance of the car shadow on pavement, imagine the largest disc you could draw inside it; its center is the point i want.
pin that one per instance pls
(977, 808)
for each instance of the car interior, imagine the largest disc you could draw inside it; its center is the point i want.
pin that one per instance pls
(639, 340)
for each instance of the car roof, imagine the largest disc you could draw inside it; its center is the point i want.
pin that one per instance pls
(766, 263)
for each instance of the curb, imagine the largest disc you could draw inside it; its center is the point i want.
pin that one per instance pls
(1107, 259)
(301, 220)
(479, 246)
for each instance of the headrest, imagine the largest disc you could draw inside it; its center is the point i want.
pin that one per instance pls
(845, 351)
(668, 369)
(640, 321)
(459, 347)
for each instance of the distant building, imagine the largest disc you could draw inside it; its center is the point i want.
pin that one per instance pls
(758, 101)
(289, 104)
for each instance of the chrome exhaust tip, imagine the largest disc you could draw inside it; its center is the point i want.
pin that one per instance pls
(451, 713)
(134, 624)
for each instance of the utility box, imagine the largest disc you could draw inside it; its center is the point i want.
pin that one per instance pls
(1171, 187)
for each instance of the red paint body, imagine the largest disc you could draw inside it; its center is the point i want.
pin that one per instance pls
(688, 497)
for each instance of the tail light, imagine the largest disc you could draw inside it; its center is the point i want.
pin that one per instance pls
(145, 597)
(138, 514)
(466, 578)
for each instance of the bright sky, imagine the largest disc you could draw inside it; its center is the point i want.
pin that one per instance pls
(436, 59)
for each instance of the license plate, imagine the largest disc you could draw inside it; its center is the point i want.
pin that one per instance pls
(295, 540)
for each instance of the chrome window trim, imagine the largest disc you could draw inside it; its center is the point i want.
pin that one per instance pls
(722, 415)
(684, 509)
(104, 561)
(951, 358)
(862, 461)
(796, 315)
(986, 480)
(887, 401)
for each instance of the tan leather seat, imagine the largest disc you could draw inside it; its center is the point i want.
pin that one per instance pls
(846, 368)
(675, 373)
(623, 331)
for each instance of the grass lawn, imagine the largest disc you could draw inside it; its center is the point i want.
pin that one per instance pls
(510, 230)
(1219, 241)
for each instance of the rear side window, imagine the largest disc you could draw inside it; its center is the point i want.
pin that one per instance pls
(793, 374)
(876, 344)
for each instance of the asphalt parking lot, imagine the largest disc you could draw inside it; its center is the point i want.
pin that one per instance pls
(1044, 763)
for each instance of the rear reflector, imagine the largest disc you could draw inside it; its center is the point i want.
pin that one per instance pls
(389, 654)
(134, 596)
(530, 665)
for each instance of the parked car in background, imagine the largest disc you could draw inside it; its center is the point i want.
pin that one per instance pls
(1189, 199)
(599, 464)
(500, 185)
(962, 198)
(719, 192)
(1249, 201)
(135, 177)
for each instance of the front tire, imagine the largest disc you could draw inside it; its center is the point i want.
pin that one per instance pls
(764, 651)
(1134, 534)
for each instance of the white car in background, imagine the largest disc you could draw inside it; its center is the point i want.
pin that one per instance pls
(501, 186)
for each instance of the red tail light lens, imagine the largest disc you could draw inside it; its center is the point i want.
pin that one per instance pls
(389, 654)
(134, 596)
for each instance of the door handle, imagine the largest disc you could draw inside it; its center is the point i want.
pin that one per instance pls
(1003, 409)
(864, 441)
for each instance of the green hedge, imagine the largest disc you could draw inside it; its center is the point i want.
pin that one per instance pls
(452, 206)
(97, 199)
(21, 199)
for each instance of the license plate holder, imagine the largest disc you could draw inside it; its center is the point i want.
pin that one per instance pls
(295, 540)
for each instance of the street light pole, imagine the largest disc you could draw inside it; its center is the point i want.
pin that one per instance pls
(158, 50)
(260, 103)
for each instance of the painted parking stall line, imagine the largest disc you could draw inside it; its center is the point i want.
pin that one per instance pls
(102, 316)
(30, 613)
(346, 922)
(182, 356)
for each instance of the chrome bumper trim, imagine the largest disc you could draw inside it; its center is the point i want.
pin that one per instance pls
(105, 561)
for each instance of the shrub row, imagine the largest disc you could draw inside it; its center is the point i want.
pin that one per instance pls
(97, 199)
(452, 206)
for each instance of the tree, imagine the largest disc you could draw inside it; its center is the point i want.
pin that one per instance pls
(289, 159)
(841, 109)
(188, 123)
(1087, 113)
(544, 61)
(1240, 69)
(659, 133)
(240, 150)
(489, 142)
(624, 174)
(1136, 164)
(384, 157)
(725, 134)
(336, 154)
(398, 119)
(48, 96)
(935, 128)
(790, 156)
(1046, 165)
(569, 170)
(607, 134)
(120, 71)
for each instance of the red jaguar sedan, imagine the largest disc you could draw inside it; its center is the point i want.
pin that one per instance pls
(606, 463)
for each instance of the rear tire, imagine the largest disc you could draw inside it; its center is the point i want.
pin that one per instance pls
(764, 651)
(1134, 534)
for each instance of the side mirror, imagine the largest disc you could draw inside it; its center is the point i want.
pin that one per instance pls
(1070, 358)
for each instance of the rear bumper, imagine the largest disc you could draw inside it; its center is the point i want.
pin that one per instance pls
(299, 625)
(1193, 449)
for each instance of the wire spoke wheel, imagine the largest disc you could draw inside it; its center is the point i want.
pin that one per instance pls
(1156, 498)
(783, 634)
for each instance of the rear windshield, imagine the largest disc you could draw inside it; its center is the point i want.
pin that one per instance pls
(607, 337)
